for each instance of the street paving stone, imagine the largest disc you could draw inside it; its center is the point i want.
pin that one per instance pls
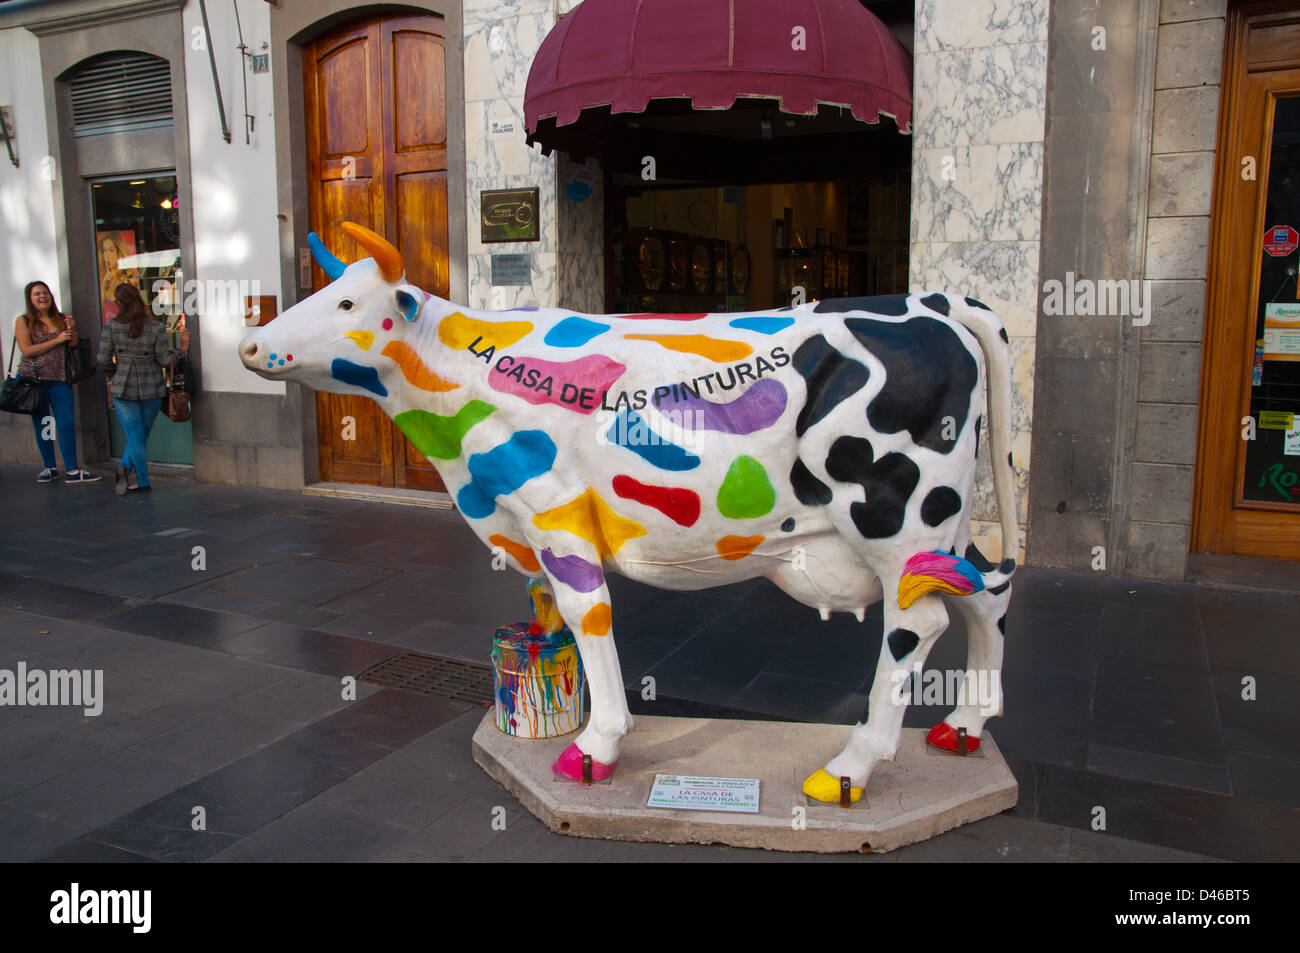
(229, 689)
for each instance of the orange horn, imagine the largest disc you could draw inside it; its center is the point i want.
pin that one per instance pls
(388, 258)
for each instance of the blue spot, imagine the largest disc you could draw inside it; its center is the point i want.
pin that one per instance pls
(630, 432)
(358, 375)
(504, 469)
(273, 357)
(281, 361)
(762, 325)
(269, 364)
(574, 332)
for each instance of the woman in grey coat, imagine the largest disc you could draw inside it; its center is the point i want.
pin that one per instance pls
(133, 351)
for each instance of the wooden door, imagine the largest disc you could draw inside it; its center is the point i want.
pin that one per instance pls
(375, 104)
(1248, 457)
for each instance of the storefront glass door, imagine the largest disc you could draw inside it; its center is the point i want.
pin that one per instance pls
(138, 241)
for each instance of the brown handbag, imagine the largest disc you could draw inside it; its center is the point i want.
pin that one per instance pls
(177, 403)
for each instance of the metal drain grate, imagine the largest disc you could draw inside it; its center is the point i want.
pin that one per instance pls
(434, 675)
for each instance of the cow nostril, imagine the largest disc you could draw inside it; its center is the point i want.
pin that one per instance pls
(248, 350)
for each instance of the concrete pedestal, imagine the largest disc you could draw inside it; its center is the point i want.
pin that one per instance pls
(918, 795)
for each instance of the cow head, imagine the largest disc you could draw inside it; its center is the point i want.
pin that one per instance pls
(352, 336)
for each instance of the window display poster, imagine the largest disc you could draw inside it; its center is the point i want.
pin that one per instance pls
(1281, 332)
(111, 247)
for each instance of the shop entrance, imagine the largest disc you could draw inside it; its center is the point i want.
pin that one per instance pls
(375, 98)
(1248, 462)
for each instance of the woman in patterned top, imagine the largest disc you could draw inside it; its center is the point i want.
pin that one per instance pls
(42, 333)
(133, 351)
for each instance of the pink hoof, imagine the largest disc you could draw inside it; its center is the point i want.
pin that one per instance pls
(569, 765)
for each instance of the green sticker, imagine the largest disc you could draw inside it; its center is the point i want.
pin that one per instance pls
(439, 437)
(746, 492)
(1276, 420)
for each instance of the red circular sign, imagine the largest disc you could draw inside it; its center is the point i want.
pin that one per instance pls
(1281, 240)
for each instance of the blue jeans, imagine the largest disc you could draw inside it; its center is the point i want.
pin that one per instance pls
(57, 400)
(137, 417)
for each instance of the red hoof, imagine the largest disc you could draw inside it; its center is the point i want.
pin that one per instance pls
(944, 735)
(569, 765)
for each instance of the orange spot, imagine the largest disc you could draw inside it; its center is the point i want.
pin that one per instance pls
(714, 349)
(416, 371)
(738, 547)
(597, 620)
(523, 555)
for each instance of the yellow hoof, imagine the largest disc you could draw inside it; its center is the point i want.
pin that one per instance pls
(822, 787)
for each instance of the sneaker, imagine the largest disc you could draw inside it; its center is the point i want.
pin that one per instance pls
(47, 476)
(81, 476)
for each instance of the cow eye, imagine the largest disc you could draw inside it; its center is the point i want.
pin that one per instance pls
(346, 304)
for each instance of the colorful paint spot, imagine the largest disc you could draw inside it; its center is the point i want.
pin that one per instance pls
(504, 469)
(762, 325)
(573, 385)
(414, 369)
(942, 572)
(597, 620)
(715, 349)
(738, 547)
(746, 492)
(363, 339)
(756, 409)
(458, 332)
(589, 517)
(439, 437)
(631, 432)
(679, 504)
(574, 571)
(522, 554)
(358, 375)
(545, 612)
(574, 332)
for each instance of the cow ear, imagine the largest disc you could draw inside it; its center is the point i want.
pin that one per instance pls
(408, 305)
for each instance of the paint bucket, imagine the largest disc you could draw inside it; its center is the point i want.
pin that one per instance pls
(539, 681)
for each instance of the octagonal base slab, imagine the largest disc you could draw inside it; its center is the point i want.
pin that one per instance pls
(918, 795)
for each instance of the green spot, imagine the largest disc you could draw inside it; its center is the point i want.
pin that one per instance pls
(746, 492)
(439, 437)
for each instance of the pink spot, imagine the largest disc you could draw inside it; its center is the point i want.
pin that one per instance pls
(578, 385)
(569, 765)
(388, 324)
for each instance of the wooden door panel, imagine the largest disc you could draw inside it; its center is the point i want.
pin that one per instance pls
(419, 79)
(422, 230)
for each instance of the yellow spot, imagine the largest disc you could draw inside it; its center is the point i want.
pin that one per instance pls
(545, 613)
(822, 787)
(714, 349)
(458, 332)
(522, 554)
(416, 371)
(911, 588)
(738, 547)
(597, 620)
(589, 517)
(363, 338)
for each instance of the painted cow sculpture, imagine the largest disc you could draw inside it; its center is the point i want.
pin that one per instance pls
(829, 447)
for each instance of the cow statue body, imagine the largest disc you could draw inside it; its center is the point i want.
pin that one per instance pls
(829, 447)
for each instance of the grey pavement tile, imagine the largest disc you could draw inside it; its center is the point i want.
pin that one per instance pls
(1263, 641)
(23, 634)
(1053, 643)
(1046, 718)
(393, 718)
(471, 821)
(174, 842)
(179, 623)
(25, 836)
(446, 639)
(1257, 711)
(315, 835)
(83, 850)
(1144, 766)
(298, 699)
(325, 653)
(148, 575)
(1158, 708)
(402, 789)
(291, 614)
(1154, 634)
(1051, 591)
(61, 601)
(213, 740)
(802, 698)
(1263, 779)
(424, 848)
(202, 597)
(302, 579)
(35, 759)
(228, 681)
(995, 839)
(1094, 847)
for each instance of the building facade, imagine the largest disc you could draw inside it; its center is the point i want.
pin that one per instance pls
(1079, 167)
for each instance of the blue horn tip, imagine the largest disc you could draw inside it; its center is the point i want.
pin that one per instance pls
(328, 263)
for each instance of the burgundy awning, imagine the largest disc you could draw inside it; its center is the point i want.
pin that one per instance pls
(622, 54)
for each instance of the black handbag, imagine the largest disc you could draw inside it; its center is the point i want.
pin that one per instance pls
(20, 395)
(78, 364)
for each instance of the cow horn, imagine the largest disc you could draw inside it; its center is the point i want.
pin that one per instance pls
(328, 263)
(388, 258)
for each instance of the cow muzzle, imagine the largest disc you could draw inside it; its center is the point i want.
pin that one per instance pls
(258, 356)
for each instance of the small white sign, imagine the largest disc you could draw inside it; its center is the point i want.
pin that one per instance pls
(735, 795)
(1291, 443)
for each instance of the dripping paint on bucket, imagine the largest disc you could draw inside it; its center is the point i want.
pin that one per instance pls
(539, 681)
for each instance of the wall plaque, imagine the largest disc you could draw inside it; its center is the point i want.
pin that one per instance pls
(514, 270)
(508, 215)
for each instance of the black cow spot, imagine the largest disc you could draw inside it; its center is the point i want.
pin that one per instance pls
(901, 643)
(830, 376)
(939, 504)
(1002, 624)
(978, 304)
(978, 420)
(937, 302)
(929, 376)
(1007, 567)
(808, 490)
(1009, 463)
(888, 484)
(788, 525)
(1002, 333)
(976, 558)
(998, 590)
(892, 305)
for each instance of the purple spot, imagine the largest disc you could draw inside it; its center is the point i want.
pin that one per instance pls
(757, 408)
(574, 571)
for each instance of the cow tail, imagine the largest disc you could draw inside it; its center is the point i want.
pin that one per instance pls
(984, 324)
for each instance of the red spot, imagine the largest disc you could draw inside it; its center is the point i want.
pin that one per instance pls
(681, 316)
(679, 504)
(388, 324)
(534, 628)
(534, 651)
(288, 357)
